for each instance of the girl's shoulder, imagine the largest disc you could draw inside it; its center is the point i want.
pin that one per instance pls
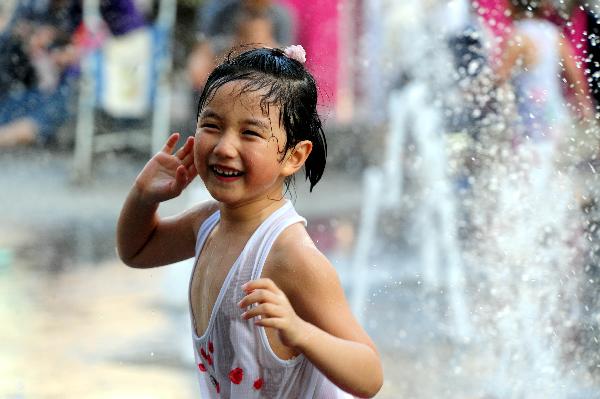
(294, 257)
(197, 214)
(292, 241)
(310, 282)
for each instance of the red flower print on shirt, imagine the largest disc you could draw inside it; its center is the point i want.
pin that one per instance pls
(258, 384)
(216, 384)
(206, 356)
(208, 363)
(236, 375)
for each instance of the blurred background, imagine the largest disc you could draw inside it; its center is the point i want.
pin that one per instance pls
(459, 204)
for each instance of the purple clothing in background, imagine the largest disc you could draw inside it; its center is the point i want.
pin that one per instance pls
(121, 16)
(24, 99)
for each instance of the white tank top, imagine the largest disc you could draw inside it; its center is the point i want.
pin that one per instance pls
(233, 356)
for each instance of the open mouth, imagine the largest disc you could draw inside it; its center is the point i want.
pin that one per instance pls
(226, 172)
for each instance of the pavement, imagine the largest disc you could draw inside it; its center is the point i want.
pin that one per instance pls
(39, 188)
(117, 332)
(113, 332)
(78, 324)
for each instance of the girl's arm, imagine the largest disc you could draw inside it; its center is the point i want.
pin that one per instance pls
(304, 301)
(143, 238)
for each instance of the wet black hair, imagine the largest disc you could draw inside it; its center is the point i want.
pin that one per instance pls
(287, 84)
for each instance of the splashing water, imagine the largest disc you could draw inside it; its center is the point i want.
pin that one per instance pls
(509, 251)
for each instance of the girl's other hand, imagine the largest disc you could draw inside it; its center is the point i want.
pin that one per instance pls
(274, 309)
(166, 175)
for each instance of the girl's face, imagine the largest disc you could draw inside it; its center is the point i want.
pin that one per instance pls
(238, 150)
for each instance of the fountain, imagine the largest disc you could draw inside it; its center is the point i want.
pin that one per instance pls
(507, 257)
(414, 115)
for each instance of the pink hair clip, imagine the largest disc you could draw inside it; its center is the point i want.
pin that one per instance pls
(296, 52)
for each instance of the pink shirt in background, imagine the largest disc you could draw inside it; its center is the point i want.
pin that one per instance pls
(318, 34)
(494, 14)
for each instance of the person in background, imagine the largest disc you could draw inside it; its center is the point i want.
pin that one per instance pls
(255, 28)
(35, 85)
(532, 60)
(219, 19)
(229, 23)
(38, 65)
(225, 24)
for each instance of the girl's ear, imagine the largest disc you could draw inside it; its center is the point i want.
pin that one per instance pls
(296, 157)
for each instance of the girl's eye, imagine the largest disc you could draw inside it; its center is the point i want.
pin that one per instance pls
(208, 126)
(252, 133)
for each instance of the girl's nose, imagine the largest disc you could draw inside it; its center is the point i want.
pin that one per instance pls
(225, 146)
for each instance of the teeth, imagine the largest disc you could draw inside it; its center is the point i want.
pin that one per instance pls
(226, 172)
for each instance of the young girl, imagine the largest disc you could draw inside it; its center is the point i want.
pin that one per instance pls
(269, 316)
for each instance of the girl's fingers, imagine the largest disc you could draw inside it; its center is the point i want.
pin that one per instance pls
(258, 296)
(191, 169)
(181, 178)
(188, 158)
(191, 172)
(170, 144)
(186, 149)
(264, 283)
(263, 310)
(273, 322)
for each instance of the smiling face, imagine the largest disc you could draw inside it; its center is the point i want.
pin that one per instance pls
(238, 149)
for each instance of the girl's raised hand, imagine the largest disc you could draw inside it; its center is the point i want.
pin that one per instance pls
(274, 309)
(167, 174)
